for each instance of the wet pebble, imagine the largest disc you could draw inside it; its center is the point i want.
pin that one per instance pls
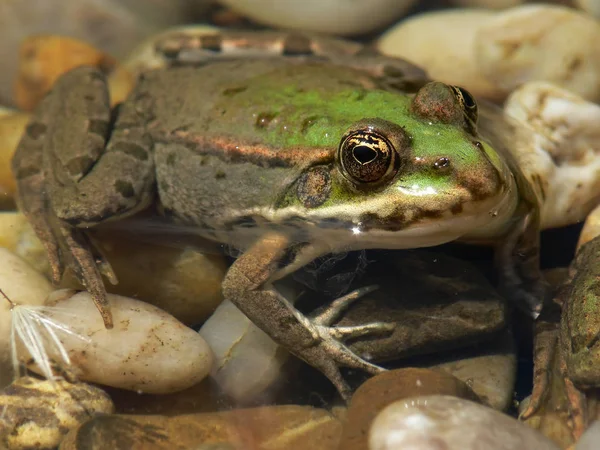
(438, 421)
(264, 428)
(564, 151)
(23, 286)
(147, 350)
(36, 414)
(591, 228)
(388, 387)
(443, 43)
(326, 16)
(541, 43)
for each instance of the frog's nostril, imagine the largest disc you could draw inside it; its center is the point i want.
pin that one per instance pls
(364, 154)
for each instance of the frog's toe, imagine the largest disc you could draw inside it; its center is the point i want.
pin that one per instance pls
(332, 312)
(357, 331)
(86, 268)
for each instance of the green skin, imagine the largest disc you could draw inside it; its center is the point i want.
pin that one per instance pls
(251, 153)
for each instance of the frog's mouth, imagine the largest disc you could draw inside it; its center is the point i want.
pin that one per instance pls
(381, 223)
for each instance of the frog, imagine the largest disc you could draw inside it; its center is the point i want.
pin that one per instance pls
(287, 147)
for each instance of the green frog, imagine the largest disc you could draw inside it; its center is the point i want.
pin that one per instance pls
(287, 147)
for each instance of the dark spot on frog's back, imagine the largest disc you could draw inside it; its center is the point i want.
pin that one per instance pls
(132, 149)
(171, 159)
(79, 166)
(307, 123)
(456, 209)
(35, 130)
(125, 188)
(264, 119)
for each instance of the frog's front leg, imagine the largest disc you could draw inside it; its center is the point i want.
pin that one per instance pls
(74, 170)
(248, 285)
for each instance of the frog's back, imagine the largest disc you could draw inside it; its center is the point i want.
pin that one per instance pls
(234, 135)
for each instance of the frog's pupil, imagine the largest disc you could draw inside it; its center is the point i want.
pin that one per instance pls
(364, 154)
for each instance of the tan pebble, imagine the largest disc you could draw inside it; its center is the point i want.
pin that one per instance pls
(386, 388)
(36, 414)
(565, 132)
(337, 17)
(182, 281)
(12, 125)
(147, 350)
(443, 43)
(23, 286)
(591, 228)
(268, 428)
(541, 42)
(43, 58)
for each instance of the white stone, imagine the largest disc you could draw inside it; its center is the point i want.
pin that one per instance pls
(566, 145)
(440, 421)
(443, 44)
(147, 350)
(340, 17)
(247, 360)
(24, 286)
(590, 439)
(541, 43)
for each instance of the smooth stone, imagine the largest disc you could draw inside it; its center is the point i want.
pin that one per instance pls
(437, 302)
(341, 17)
(450, 423)
(148, 350)
(388, 387)
(490, 370)
(114, 26)
(240, 348)
(23, 286)
(264, 428)
(564, 148)
(590, 438)
(183, 281)
(36, 414)
(12, 125)
(591, 228)
(44, 58)
(541, 43)
(443, 43)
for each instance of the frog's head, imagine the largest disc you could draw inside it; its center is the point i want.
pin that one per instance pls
(424, 178)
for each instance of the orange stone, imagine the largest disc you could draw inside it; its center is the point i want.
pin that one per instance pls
(44, 58)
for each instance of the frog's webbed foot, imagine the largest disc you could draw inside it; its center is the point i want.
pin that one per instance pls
(327, 316)
(332, 338)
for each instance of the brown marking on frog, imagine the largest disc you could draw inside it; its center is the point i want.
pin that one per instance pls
(314, 186)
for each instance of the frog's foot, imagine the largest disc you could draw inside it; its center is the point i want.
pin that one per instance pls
(89, 265)
(577, 409)
(329, 351)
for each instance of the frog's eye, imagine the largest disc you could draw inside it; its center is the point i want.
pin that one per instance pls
(367, 156)
(439, 102)
(467, 101)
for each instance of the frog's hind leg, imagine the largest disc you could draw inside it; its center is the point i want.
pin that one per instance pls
(248, 285)
(75, 170)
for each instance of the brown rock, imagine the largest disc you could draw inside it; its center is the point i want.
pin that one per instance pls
(44, 58)
(384, 389)
(269, 427)
(12, 124)
(36, 414)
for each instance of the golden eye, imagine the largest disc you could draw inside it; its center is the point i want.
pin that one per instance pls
(467, 102)
(366, 156)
